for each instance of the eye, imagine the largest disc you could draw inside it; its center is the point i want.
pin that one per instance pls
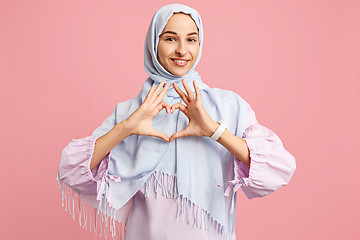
(192, 40)
(170, 39)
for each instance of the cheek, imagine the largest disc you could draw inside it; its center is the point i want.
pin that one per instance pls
(163, 52)
(160, 55)
(195, 52)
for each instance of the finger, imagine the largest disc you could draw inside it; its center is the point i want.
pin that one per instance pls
(180, 106)
(163, 105)
(156, 91)
(179, 134)
(149, 95)
(188, 90)
(197, 91)
(161, 96)
(156, 133)
(181, 94)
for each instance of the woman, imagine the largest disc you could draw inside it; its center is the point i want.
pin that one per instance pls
(131, 172)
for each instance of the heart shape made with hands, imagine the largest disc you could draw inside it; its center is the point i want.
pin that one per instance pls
(200, 123)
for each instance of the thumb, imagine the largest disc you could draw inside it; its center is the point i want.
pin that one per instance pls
(182, 133)
(156, 133)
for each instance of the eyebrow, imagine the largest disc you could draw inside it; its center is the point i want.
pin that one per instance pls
(192, 33)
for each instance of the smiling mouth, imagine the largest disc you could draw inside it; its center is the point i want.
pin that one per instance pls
(179, 62)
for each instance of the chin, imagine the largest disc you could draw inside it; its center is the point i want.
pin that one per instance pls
(180, 73)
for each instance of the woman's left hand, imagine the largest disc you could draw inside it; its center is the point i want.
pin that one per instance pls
(200, 123)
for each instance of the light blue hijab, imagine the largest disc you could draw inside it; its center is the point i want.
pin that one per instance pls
(196, 164)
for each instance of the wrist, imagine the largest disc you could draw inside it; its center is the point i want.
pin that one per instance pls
(212, 128)
(219, 131)
(124, 127)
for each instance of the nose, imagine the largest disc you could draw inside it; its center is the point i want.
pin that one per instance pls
(180, 50)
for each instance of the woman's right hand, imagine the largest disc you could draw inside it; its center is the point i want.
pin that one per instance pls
(140, 121)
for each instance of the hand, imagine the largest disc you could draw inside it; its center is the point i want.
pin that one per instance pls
(140, 121)
(200, 123)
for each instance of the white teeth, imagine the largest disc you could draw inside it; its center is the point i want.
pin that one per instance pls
(179, 61)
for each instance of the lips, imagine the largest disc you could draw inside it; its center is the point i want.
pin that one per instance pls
(180, 62)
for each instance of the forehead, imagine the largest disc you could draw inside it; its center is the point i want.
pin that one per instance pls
(181, 22)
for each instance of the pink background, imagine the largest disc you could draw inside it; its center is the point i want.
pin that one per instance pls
(65, 64)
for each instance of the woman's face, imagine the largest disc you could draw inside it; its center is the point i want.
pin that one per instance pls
(178, 44)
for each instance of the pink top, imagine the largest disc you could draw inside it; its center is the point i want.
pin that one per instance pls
(271, 168)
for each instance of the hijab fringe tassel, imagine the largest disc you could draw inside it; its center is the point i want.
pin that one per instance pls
(90, 216)
(103, 223)
(187, 210)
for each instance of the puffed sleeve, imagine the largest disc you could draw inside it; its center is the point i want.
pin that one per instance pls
(271, 166)
(74, 167)
(74, 175)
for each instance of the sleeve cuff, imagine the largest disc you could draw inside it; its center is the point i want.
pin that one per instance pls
(74, 169)
(271, 166)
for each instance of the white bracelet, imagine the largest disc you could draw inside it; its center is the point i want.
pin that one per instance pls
(219, 130)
